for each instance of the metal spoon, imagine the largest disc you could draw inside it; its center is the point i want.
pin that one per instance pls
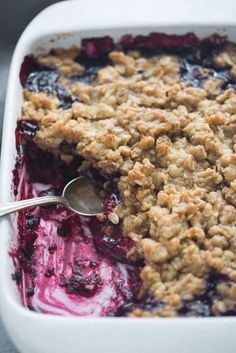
(78, 196)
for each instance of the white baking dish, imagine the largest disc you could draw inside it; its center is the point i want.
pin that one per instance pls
(65, 24)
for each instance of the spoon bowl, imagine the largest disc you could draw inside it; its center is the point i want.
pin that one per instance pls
(82, 197)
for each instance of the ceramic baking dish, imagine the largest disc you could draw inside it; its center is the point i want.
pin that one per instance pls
(65, 24)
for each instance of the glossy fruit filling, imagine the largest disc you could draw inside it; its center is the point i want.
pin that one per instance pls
(67, 264)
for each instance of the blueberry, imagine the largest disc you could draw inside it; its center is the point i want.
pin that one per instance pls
(50, 272)
(17, 276)
(108, 237)
(64, 230)
(109, 241)
(194, 75)
(67, 225)
(110, 202)
(215, 40)
(92, 66)
(32, 222)
(231, 312)
(159, 41)
(195, 308)
(87, 77)
(191, 70)
(29, 65)
(96, 47)
(28, 128)
(127, 41)
(43, 80)
(201, 306)
(149, 303)
(64, 97)
(125, 309)
(29, 291)
(39, 78)
(84, 281)
(52, 248)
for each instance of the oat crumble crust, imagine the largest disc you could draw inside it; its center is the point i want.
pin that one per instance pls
(172, 149)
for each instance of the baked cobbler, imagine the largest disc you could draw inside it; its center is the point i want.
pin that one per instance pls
(152, 121)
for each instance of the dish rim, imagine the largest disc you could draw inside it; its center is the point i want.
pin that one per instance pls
(35, 32)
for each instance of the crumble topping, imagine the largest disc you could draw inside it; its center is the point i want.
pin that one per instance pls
(167, 136)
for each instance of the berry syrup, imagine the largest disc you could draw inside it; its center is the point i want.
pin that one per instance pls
(66, 264)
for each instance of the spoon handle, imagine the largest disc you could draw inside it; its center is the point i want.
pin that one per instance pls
(37, 201)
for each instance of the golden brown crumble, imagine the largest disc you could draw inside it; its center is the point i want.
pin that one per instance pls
(173, 148)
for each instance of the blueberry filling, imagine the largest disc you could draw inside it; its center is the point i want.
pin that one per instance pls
(65, 228)
(197, 72)
(42, 80)
(159, 42)
(108, 238)
(148, 303)
(97, 47)
(17, 276)
(29, 291)
(38, 78)
(202, 305)
(64, 97)
(92, 66)
(42, 166)
(196, 308)
(198, 64)
(52, 248)
(85, 280)
(28, 128)
(109, 241)
(50, 272)
(87, 77)
(32, 222)
(28, 66)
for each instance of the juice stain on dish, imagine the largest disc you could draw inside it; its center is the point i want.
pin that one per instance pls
(59, 266)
